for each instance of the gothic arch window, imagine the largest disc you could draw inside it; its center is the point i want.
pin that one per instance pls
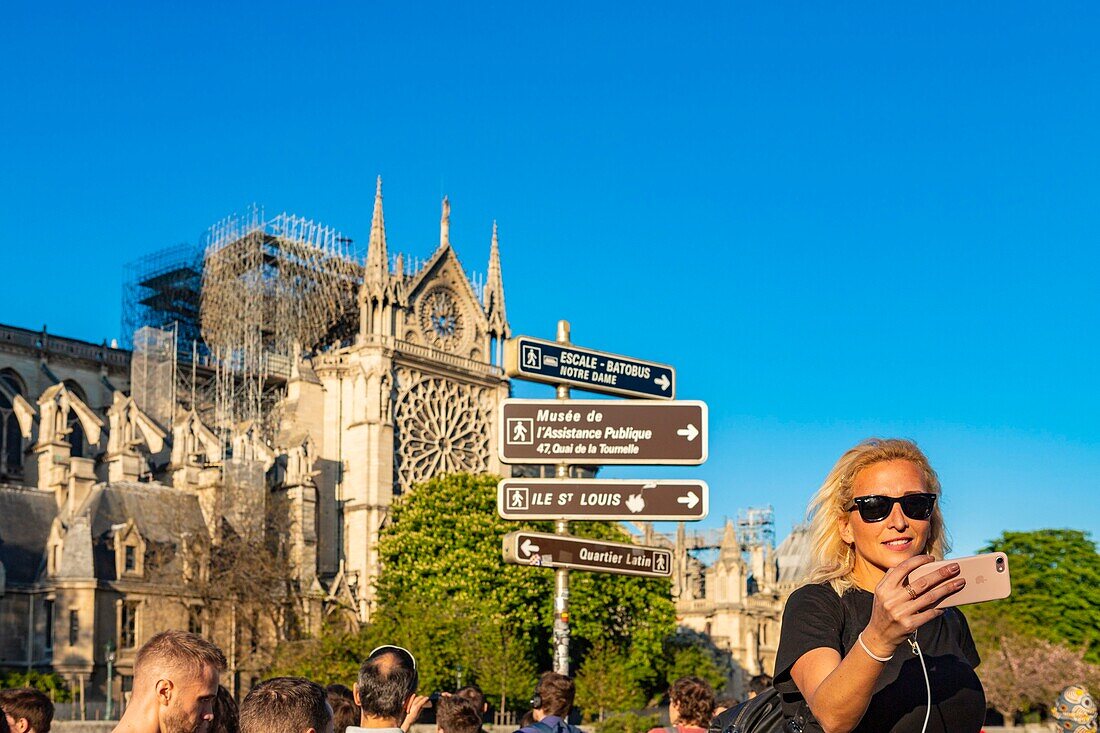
(77, 439)
(440, 427)
(11, 437)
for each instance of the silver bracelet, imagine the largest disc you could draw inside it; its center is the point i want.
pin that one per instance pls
(870, 653)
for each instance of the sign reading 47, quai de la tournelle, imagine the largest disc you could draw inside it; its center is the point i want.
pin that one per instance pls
(603, 432)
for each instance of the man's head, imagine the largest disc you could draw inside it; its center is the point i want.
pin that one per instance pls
(177, 672)
(553, 695)
(286, 705)
(474, 694)
(457, 715)
(387, 681)
(26, 710)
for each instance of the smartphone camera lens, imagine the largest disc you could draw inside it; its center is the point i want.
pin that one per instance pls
(1000, 564)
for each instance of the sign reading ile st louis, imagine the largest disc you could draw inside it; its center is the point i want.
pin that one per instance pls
(603, 432)
(602, 499)
(577, 553)
(597, 371)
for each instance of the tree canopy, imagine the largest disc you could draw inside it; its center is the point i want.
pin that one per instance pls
(1046, 634)
(1055, 590)
(445, 588)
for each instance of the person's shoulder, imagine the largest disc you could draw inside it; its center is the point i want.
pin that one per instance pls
(815, 596)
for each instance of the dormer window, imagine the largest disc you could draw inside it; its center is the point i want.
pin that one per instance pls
(129, 551)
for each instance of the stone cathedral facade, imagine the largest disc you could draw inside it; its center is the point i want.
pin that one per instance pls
(109, 504)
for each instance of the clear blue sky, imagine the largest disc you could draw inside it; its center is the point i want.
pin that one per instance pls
(835, 221)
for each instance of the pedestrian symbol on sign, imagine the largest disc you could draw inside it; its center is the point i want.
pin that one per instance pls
(532, 356)
(517, 498)
(660, 563)
(519, 430)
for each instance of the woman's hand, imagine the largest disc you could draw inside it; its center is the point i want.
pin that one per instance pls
(901, 608)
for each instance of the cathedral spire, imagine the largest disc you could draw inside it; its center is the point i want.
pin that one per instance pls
(376, 293)
(493, 293)
(377, 268)
(445, 224)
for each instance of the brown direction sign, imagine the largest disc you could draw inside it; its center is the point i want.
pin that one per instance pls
(576, 553)
(602, 499)
(603, 432)
(595, 371)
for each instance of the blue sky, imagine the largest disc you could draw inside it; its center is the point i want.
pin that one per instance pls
(836, 222)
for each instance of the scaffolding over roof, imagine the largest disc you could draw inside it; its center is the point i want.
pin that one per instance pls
(271, 288)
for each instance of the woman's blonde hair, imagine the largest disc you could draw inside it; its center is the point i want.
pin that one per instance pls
(834, 559)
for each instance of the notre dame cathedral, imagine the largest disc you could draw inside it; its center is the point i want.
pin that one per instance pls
(273, 364)
(280, 392)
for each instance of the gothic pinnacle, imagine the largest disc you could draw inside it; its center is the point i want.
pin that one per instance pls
(445, 224)
(377, 258)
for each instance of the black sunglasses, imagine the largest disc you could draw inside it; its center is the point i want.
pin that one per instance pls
(875, 508)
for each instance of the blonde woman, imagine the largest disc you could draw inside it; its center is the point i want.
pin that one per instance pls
(843, 662)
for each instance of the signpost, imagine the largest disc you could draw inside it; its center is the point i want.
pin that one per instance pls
(603, 432)
(576, 553)
(602, 499)
(652, 430)
(596, 371)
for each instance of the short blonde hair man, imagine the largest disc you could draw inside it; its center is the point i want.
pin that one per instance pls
(175, 684)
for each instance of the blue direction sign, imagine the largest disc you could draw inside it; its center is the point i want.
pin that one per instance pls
(596, 371)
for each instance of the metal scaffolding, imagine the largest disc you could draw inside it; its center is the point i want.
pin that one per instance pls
(153, 373)
(270, 290)
(161, 290)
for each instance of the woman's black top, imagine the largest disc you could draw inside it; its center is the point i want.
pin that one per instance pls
(815, 616)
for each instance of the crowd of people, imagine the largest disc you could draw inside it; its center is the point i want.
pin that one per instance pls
(841, 664)
(176, 689)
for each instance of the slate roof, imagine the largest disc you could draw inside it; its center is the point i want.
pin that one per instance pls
(162, 514)
(26, 515)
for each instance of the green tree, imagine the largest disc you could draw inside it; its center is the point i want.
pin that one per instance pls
(607, 682)
(444, 588)
(1055, 592)
(50, 683)
(333, 657)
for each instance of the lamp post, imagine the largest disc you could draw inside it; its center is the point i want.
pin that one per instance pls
(110, 656)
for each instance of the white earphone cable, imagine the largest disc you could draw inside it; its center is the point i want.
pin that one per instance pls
(927, 684)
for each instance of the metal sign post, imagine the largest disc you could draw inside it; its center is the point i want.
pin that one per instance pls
(561, 575)
(562, 432)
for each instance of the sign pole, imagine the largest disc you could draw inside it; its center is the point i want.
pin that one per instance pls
(561, 575)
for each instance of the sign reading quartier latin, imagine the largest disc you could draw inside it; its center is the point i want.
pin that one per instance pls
(576, 553)
(602, 499)
(597, 371)
(603, 432)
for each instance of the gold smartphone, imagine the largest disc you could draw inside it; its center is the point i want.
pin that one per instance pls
(987, 578)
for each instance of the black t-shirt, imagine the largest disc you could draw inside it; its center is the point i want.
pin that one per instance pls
(815, 616)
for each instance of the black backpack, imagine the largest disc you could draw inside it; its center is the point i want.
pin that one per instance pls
(761, 714)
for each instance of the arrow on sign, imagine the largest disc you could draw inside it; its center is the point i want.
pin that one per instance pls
(662, 382)
(691, 500)
(529, 547)
(689, 432)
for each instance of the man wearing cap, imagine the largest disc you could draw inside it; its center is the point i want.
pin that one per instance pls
(386, 692)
